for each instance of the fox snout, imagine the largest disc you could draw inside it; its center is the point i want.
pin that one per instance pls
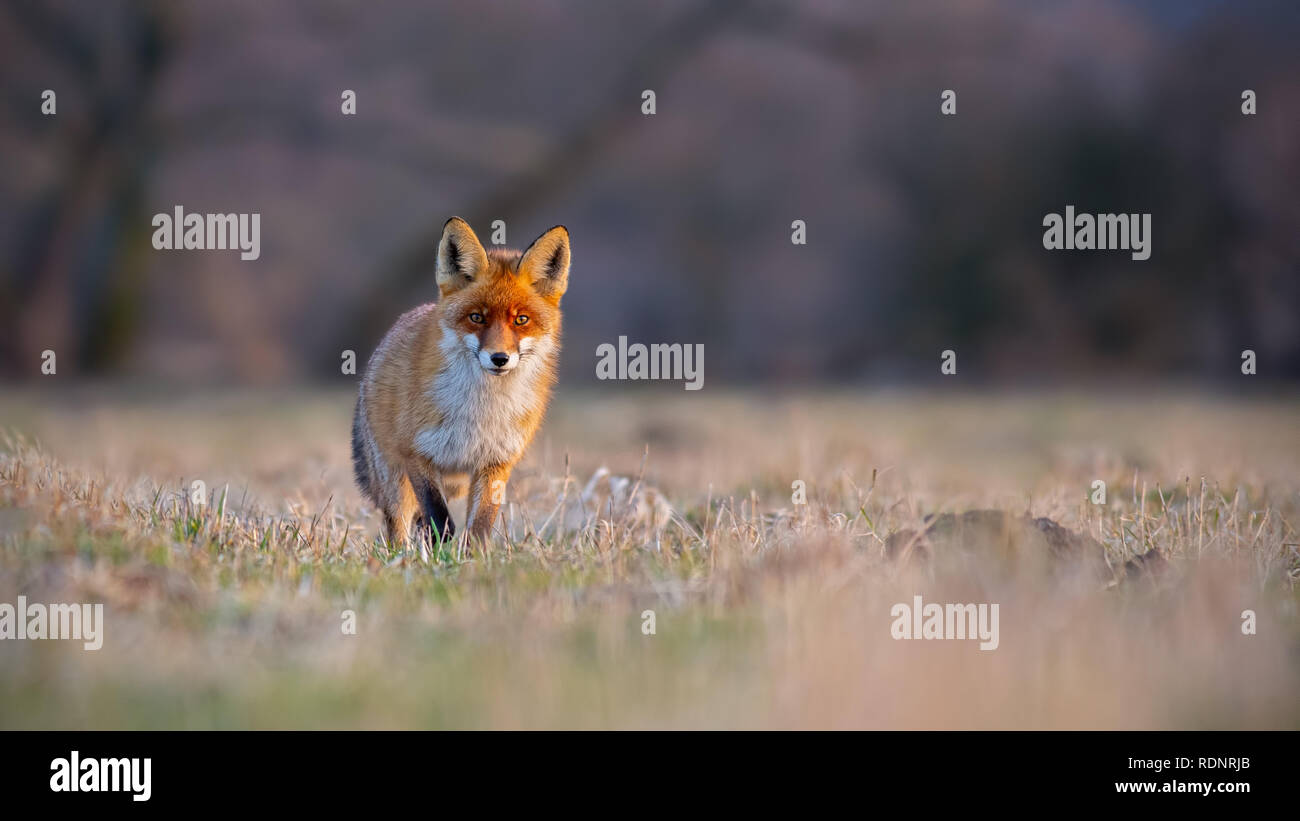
(498, 361)
(494, 356)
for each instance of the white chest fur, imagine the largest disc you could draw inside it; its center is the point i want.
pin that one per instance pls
(484, 416)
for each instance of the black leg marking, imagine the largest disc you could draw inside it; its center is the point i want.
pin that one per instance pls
(435, 519)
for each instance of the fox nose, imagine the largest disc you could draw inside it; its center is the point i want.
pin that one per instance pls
(500, 359)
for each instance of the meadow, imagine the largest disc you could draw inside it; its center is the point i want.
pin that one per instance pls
(766, 613)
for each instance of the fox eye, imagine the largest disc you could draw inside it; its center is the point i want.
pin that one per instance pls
(476, 318)
(521, 320)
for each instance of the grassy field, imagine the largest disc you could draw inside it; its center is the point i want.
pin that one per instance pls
(767, 614)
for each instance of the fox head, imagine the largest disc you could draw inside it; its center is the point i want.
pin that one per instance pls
(504, 306)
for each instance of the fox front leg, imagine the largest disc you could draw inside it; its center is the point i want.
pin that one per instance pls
(435, 520)
(486, 494)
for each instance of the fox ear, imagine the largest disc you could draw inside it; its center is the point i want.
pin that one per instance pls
(546, 263)
(461, 257)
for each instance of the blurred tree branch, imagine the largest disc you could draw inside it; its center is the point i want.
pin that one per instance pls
(373, 141)
(56, 36)
(77, 279)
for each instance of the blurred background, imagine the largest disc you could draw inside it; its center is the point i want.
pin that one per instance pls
(924, 232)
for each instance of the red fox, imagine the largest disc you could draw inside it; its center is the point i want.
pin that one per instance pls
(456, 389)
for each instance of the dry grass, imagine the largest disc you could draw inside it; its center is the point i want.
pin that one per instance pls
(768, 614)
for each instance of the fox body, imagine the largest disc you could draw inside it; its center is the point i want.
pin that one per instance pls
(456, 389)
